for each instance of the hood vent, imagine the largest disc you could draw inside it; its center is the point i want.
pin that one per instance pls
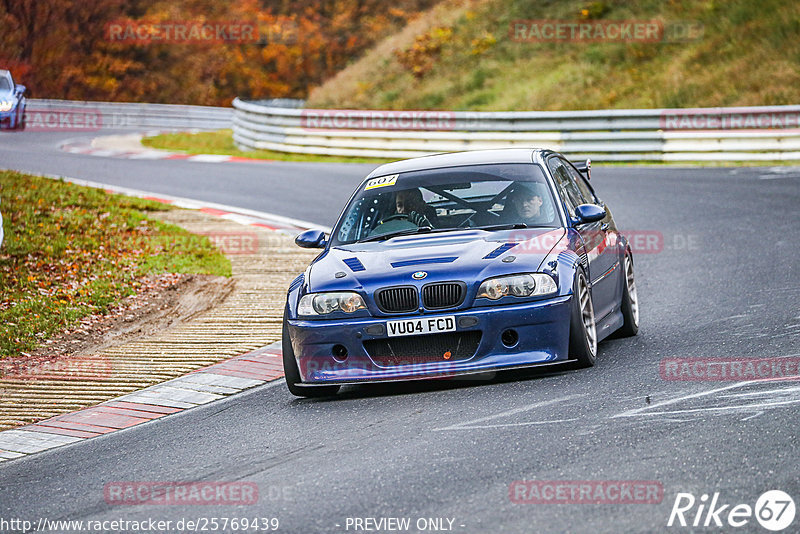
(423, 261)
(354, 264)
(499, 250)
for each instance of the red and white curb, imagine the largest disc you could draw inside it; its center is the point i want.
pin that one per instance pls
(130, 147)
(200, 387)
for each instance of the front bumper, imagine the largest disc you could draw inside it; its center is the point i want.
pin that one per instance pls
(542, 328)
(8, 117)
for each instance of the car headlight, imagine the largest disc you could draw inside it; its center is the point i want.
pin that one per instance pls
(6, 105)
(325, 303)
(518, 285)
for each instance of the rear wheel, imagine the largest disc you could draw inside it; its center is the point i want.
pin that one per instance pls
(582, 329)
(292, 373)
(630, 301)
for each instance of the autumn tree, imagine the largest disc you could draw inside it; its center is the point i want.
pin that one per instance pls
(62, 48)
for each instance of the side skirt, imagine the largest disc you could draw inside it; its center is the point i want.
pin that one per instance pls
(609, 324)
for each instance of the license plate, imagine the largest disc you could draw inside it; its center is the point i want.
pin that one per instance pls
(411, 327)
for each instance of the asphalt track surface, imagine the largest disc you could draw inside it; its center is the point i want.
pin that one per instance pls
(725, 283)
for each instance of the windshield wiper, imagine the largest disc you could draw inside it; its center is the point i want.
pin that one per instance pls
(389, 235)
(493, 227)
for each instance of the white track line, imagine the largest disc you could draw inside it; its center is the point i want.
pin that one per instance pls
(467, 425)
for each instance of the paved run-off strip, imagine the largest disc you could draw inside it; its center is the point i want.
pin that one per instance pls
(129, 146)
(200, 387)
(226, 349)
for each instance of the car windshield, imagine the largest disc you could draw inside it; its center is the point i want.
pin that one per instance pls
(492, 197)
(4, 84)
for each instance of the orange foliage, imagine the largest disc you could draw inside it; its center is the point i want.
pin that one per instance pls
(421, 56)
(66, 49)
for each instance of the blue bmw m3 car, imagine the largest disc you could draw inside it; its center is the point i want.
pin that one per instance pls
(455, 264)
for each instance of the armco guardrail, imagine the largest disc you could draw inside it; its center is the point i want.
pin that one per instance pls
(63, 114)
(704, 134)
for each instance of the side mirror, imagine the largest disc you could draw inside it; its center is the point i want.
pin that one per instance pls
(585, 167)
(589, 213)
(19, 89)
(311, 239)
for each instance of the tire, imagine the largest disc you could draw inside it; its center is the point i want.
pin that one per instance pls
(292, 373)
(582, 328)
(22, 121)
(630, 301)
(16, 121)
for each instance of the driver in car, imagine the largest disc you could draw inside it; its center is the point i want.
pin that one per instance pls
(525, 205)
(410, 202)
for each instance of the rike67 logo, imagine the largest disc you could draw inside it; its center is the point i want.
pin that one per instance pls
(774, 510)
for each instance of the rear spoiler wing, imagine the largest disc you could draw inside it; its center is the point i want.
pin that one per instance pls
(585, 167)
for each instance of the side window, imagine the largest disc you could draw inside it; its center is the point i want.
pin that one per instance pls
(566, 187)
(580, 182)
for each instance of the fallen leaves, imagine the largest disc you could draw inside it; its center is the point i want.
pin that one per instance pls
(73, 252)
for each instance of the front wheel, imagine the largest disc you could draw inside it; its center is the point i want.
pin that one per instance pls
(582, 329)
(292, 373)
(630, 301)
(17, 120)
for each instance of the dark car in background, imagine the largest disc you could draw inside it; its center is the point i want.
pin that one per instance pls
(12, 103)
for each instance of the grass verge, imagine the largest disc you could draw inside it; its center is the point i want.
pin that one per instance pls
(221, 142)
(72, 251)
